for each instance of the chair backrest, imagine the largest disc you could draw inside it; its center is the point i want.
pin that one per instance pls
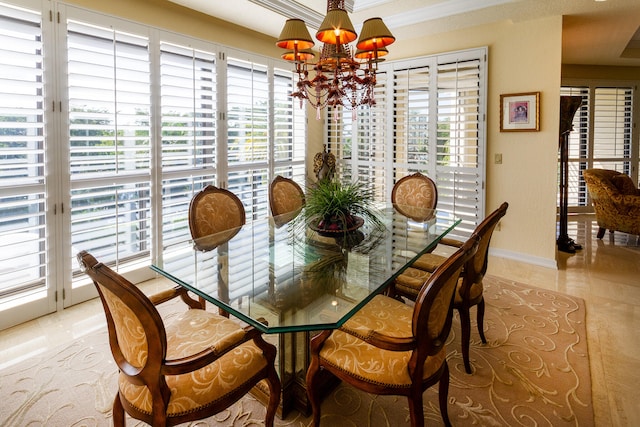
(433, 310)
(605, 185)
(415, 196)
(215, 216)
(286, 199)
(477, 266)
(136, 333)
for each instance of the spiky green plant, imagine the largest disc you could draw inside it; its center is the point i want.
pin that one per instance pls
(330, 201)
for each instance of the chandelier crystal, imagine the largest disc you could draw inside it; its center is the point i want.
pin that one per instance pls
(341, 76)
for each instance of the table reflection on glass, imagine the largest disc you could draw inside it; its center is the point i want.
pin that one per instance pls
(290, 280)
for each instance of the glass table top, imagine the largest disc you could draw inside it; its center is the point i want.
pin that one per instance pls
(290, 278)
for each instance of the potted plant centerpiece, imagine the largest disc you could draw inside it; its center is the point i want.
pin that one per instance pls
(333, 207)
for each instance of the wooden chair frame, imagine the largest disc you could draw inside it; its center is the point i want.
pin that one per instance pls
(157, 366)
(422, 344)
(472, 274)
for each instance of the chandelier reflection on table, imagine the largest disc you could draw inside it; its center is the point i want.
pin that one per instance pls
(342, 77)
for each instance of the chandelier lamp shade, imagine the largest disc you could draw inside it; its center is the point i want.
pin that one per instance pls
(341, 77)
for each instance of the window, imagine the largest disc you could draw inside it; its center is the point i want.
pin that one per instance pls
(602, 136)
(108, 128)
(429, 117)
(22, 154)
(109, 134)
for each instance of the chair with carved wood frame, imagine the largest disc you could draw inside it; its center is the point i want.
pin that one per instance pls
(215, 216)
(286, 200)
(189, 369)
(405, 344)
(469, 292)
(415, 196)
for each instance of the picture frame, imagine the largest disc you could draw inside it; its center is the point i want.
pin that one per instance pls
(520, 112)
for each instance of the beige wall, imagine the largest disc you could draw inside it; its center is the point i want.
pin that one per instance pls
(594, 72)
(523, 57)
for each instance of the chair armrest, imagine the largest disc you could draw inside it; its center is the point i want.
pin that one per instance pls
(377, 339)
(169, 294)
(451, 242)
(209, 355)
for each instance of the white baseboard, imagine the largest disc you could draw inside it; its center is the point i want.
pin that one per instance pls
(542, 262)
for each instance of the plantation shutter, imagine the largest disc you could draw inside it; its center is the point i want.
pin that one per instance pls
(289, 123)
(248, 134)
(411, 122)
(439, 131)
(370, 142)
(612, 128)
(357, 139)
(109, 89)
(459, 158)
(188, 105)
(22, 154)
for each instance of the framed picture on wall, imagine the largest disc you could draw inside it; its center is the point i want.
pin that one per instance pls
(520, 112)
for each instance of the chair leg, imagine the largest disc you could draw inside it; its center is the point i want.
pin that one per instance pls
(415, 409)
(480, 319)
(465, 326)
(275, 390)
(117, 412)
(312, 393)
(600, 234)
(443, 395)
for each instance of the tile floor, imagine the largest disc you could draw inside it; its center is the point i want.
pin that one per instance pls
(606, 273)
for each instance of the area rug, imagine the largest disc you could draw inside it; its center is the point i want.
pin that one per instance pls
(534, 371)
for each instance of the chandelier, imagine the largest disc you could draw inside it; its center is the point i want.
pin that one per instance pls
(341, 77)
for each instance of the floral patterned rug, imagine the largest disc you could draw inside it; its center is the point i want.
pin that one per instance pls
(534, 371)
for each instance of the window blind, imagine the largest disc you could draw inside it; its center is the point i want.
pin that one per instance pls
(188, 97)
(22, 153)
(109, 91)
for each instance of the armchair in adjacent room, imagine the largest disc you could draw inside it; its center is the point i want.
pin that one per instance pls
(616, 201)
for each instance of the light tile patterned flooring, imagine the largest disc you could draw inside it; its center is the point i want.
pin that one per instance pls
(606, 273)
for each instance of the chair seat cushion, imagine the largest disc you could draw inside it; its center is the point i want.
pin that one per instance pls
(429, 262)
(194, 331)
(353, 355)
(410, 282)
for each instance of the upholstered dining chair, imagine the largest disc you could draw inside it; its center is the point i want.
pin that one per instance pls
(215, 216)
(415, 196)
(194, 367)
(469, 289)
(286, 199)
(389, 347)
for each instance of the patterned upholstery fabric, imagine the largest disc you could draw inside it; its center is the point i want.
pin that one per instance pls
(411, 280)
(615, 199)
(215, 216)
(286, 199)
(388, 368)
(193, 331)
(415, 196)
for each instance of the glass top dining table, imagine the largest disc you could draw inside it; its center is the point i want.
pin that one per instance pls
(290, 278)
